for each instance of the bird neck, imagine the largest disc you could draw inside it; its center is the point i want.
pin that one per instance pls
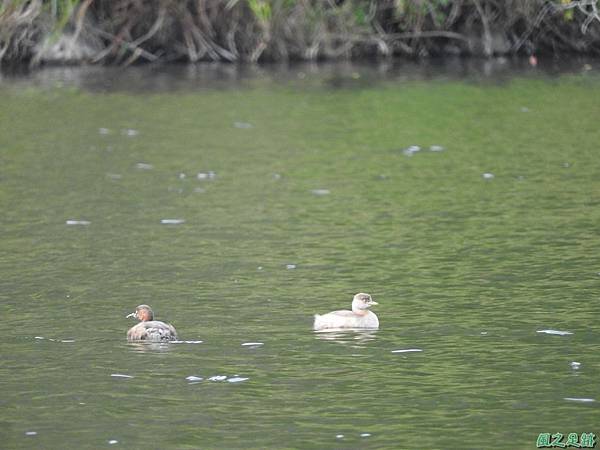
(360, 312)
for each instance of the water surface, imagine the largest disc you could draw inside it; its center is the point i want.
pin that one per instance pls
(238, 208)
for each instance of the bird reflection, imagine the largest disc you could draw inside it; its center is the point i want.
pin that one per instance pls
(150, 347)
(354, 338)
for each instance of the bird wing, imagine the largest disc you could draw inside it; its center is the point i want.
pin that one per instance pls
(160, 331)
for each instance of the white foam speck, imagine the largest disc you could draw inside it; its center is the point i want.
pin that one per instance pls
(583, 400)
(120, 375)
(210, 175)
(321, 191)
(194, 378)
(488, 176)
(218, 378)
(290, 266)
(575, 365)
(555, 332)
(30, 433)
(39, 337)
(436, 148)
(113, 441)
(411, 150)
(237, 379)
(252, 344)
(68, 341)
(339, 436)
(144, 166)
(172, 221)
(77, 222)
(365, 434)
(407, 350)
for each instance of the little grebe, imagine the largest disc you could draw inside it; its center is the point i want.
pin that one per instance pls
(149, 329)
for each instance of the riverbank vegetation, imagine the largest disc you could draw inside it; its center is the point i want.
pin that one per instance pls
(131, 31)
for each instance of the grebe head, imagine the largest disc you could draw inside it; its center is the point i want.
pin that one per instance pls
(362, 302)
(142, 313)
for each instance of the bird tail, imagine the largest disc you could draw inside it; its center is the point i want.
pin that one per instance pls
(317, 323)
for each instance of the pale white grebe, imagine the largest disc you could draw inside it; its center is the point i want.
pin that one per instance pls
(359, 317)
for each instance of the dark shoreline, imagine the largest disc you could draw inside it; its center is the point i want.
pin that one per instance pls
(145, 78)
(127, 32)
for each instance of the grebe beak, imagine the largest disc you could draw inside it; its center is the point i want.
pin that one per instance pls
(131, 315)
(374, 303)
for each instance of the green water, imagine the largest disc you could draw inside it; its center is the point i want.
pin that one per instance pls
(465, 268)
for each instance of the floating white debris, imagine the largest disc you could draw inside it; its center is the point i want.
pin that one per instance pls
(130, 132)
(182, 176)
(77, 222)
(583, 400)
(120, 375)
(172, 221)
(436, 148)
(113, 441)
(407, 350)
(39, 337)
(68, 341)
(259, 268)
(290, 266)
(483, 333)
(103, 131)
(488, 176)
(30, 433)
(218, 378)
(242, 125)
(252, 344)
(321, 191)
(575, 365)
(411, 150)
(365, 434)
(339, 436)
(144, 166)
(206, 175)
(555, 332)
(194, 378)
(237, 379)
(193, 342)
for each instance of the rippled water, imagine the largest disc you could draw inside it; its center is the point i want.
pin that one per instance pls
(239, 209)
